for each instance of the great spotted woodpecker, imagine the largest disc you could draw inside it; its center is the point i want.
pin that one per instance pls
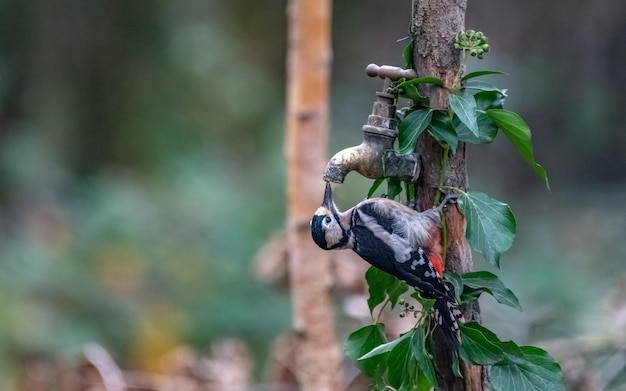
(395, 239)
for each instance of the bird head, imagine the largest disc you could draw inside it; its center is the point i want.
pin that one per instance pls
(326, 225)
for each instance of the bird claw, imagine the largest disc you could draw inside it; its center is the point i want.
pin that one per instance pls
(448, 199)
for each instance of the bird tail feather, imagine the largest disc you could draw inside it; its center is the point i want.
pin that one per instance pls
(448, 316)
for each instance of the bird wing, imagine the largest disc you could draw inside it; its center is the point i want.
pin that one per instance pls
(420, 273)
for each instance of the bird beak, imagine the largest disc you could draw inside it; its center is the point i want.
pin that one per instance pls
(328, 197)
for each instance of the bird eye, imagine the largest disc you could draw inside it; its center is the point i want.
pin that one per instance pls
(327, 220)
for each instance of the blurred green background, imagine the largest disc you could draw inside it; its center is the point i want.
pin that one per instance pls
(141, 166)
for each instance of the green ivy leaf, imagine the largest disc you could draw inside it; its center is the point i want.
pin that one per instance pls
(518, 132)
(486, 100)
(464, 108)
(506, 377)
(381, 285)
(472, 75)
(394, 187)
(484, 281)
(408, 89)
(482, 85)
(479, 346)
(487, 129)
(401, 366)
(422, 356)
(456, 370)
(362, 341)
(423, 383)
(376, 287)
(412, 93)
(491, 225)
(407, 55)
(514, 368)
(421, 80)
(540, 357)
(409, 188)
(411, 126)
(442, 129)
(526, 368)
(457, 283)
(409, 365)
(374, 187)
(384, 348)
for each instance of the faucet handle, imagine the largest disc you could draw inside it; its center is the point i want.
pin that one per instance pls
(389, 72)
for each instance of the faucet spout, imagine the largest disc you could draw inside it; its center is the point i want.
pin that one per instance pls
(374, 158)
(366, 158)
(342, 163)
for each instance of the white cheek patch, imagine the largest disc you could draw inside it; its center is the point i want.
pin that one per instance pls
(333, 235)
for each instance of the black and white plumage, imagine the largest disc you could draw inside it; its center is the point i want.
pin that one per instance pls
(395, 239)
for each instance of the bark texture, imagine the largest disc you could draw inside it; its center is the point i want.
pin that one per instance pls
(308, 71)
(434, 25)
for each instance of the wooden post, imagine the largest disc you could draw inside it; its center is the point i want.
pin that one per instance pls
(434, 24)
(308, 74)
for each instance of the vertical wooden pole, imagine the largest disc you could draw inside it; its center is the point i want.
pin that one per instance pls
(308, 74)
(435, 23)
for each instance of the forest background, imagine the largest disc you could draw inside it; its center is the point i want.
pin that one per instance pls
(142, 167)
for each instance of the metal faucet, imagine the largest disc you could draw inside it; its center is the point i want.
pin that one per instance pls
(375, 157)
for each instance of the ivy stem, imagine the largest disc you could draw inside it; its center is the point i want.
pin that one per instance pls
(442, 176)
(444, 241)
(456, 84)
(442, 173)
(454, 188)
(381, 310)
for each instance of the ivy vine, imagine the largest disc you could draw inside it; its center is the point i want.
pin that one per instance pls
(475, 116)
